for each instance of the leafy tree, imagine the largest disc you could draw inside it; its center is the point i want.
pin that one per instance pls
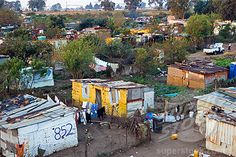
(11, 73)
(20, 33)
(1, 3)
(89, 6)
(56, 7)
(199, 27)
(117, 51)
(56, 21)
(227, 34)
(90, 22)
(37, 5)
(107, 5)
(204, 7)
(97, 6)
(175, 51)
(132, 4)
(8, 17)
(77, 56)
(178, 7)
(159, 3)
(226, 8)
(53, 33)
(141, 57)
(118, 6)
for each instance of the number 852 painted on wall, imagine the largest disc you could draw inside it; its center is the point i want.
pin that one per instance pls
(63, 131)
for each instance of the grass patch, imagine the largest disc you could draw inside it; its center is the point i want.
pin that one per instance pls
(223, 62)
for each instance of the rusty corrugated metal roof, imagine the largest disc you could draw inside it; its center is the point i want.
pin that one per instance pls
(199, 66)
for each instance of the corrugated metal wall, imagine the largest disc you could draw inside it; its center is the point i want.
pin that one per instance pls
(178, 77)
(107, 96)
(221, 137)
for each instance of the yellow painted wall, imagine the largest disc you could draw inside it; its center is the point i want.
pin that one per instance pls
(120, 109)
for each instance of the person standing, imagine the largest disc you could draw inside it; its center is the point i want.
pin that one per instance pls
(229, 47)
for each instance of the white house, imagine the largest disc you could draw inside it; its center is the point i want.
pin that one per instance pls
(31, 126)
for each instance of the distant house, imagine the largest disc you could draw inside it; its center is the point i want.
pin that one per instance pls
(32, 126)
(197, 74)
(119, 98)
(216, 118)
(101, 32)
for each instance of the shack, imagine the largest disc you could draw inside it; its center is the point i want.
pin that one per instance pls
(32, 126)
(197, 74)
(216, 118)
(119, 98)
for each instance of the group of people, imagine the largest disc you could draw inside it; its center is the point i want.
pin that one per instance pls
(85, 115)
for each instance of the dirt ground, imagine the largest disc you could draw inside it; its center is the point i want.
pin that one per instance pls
(201, 55)
(113, 140)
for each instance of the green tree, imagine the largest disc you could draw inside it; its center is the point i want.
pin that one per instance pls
(56, 7)
(56, 21)
(11, 73)
(36, 5)
(117, 51)
(174, 51)
(204, 7)
(178, 7)
(77, 56)
(158, 3)
(132, 6)
(107, 5)
(20, 33)
(199, 27)
(226, 8)
(8, 17)
(1, 3)
(141, 57)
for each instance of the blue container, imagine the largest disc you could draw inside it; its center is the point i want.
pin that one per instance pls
(232, 70)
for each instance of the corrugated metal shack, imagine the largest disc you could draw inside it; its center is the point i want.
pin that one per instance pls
(31, 126)
(197, 74)
(216, 117)
(118, 97)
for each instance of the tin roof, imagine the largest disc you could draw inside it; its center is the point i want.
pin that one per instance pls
(199, 66)
(225, 98)
(111, 84)
(26, 110)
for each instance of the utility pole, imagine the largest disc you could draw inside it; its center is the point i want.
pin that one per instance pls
(66, 5)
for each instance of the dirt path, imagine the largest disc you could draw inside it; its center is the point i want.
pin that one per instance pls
(201, 55)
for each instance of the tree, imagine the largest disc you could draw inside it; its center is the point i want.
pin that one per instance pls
(142, 5)
(1, 3)
(118, 6)
(226, 8)
(36, 5)
(107, 5)
(89, 6)
(178, 7)
(141, 57)
(174, 50)
(204, 7)
(132, 5)
(97, 6)
(116, 51)
(11, 73)
(77, 56)
(158, 3)
(8, 17)
(56, 21)
(199, 27)
(56, 7)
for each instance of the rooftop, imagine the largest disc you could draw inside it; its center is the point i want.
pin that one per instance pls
(199, 66)
(111, 84)
(224, 98)
(26, 110)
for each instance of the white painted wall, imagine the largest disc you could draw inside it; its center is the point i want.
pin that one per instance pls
(52, 136)
(133, 106)
(149, 99)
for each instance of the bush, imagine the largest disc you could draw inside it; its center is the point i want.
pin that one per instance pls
(223, 62)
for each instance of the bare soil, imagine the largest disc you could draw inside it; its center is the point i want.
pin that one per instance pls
(202, 55)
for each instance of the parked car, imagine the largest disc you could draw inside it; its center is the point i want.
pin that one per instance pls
(214, 49)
